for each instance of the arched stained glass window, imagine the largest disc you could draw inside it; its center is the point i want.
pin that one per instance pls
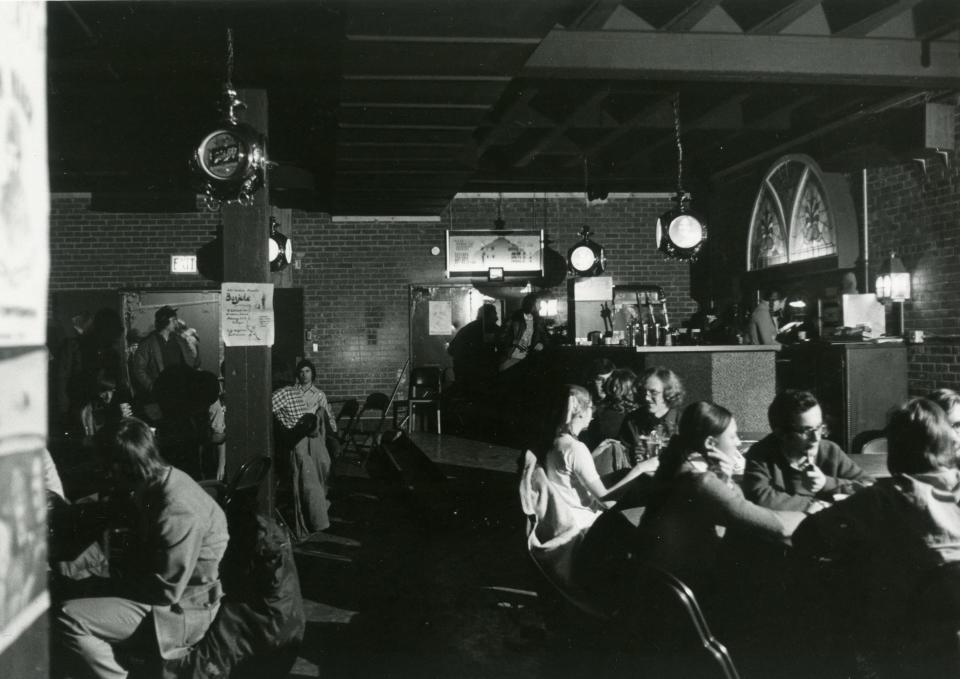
(791, 218)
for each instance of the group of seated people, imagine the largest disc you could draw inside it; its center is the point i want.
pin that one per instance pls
(791, 540)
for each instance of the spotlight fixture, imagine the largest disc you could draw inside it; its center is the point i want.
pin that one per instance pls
(681, 232)
(279, 247)
(586, 258)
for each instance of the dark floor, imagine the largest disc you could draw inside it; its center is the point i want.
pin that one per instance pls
(431, 581)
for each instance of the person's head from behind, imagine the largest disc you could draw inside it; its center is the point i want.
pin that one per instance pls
(572, 410)
(796, 419)
(949, 401)
(709, 430)
(618, 387)
(919, 438)
(659, 390)
(306, 372)
(131, 450)
(597, 373)
(487, 315)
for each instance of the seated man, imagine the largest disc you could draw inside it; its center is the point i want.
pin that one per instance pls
(795, 467)
(887, 546)
(173, 580)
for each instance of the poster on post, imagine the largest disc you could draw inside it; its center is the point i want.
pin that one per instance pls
(23, 502)
(246, 314)
(24, 187)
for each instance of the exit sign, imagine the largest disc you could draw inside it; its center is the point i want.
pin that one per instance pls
(183, 264)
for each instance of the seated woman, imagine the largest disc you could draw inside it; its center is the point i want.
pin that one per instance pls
(680, 528)
(885, 541)
(601, 435)
(597, 373)
(568, 462)
(659, 395)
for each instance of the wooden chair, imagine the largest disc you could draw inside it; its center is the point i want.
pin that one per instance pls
(868, 442)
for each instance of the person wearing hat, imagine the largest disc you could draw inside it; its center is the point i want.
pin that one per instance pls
(164, 347)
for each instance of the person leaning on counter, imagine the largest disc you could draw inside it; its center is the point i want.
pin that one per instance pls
(795, 467)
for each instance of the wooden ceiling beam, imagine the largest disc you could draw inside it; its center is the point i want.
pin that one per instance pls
(876, 19)
(444, 39)
(784, 17)
(659, 113)
(691, 15)
(548, 140)
(742, 58)
(595, 16)
(397, 104)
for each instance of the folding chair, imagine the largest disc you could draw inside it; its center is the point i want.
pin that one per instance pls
(424, 391)
(243, 487)
(349, 410)
(363, 437)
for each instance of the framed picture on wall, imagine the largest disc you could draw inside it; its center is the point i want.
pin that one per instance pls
(513, 253)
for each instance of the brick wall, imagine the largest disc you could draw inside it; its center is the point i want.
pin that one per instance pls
(917, 215)
(355, 275)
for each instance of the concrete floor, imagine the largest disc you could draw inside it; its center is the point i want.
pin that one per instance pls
(429, 582)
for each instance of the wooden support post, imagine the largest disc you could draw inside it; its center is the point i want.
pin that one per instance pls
(248, 369)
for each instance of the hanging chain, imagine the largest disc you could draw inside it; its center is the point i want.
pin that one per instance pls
(230, 58)
(586, 181)
(676, 130)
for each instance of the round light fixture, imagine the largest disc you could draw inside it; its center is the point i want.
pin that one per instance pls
(681, 232)
(586, 258)
(279, 247)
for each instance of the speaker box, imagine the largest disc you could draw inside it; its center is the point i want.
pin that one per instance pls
(397, 458)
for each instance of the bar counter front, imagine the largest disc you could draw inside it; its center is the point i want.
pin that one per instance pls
(741, 378)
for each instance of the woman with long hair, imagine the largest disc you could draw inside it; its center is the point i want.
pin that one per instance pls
(679, 530)
(567, 460)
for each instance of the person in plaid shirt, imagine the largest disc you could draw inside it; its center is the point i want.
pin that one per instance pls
(302, 464)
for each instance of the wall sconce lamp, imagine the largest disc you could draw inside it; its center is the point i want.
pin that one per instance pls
(893, 283)
(681, 232)
(279, 247)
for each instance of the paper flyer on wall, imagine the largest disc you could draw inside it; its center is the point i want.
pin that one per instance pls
(23, 504)
(24, 188)
(246, 314)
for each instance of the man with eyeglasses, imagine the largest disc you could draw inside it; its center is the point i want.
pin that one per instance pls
(796, 468)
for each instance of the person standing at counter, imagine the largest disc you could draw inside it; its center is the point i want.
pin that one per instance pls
(523, 334)
(659, 394)
(762, 327)
(795, 467)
